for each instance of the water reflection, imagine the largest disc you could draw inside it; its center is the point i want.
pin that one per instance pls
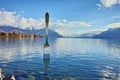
(46, 58)
(113, 47)
(13, 49)
(85, 58)
(108, 73)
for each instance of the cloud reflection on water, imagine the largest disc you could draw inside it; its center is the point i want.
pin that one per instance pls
(82, 51)
(12, 49)
(109, 74)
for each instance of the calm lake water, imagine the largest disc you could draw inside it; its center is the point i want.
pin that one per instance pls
(65, 59)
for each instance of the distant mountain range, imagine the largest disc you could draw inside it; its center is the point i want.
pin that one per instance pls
(41, 32)
(113, 33)
(89, 34)
(51, 33)
(110, 33)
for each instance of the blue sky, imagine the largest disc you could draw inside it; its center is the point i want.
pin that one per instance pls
(68, 9)
(67, 17)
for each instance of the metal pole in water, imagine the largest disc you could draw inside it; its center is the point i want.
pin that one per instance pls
(47, 22)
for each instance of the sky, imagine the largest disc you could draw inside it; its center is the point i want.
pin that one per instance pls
(67, 17)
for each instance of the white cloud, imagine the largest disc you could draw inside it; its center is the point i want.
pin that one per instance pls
(99, 5)
(61, 25)
(8, 18)
(30, 23)
(116, 16)
(107, 3)
(106, 27)
(15, 20)
(113, 25)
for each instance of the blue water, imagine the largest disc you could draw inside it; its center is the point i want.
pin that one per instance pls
(70, 58)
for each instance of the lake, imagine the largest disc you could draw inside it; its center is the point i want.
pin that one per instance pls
(60, 58)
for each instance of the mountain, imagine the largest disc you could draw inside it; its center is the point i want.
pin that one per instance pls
(41, 32)
(51, 33)
(9, 29)
(110, 33)
(89, 34)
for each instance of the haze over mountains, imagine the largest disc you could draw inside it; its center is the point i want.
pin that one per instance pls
(41, 32)
(110, 33)
(89, 34)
